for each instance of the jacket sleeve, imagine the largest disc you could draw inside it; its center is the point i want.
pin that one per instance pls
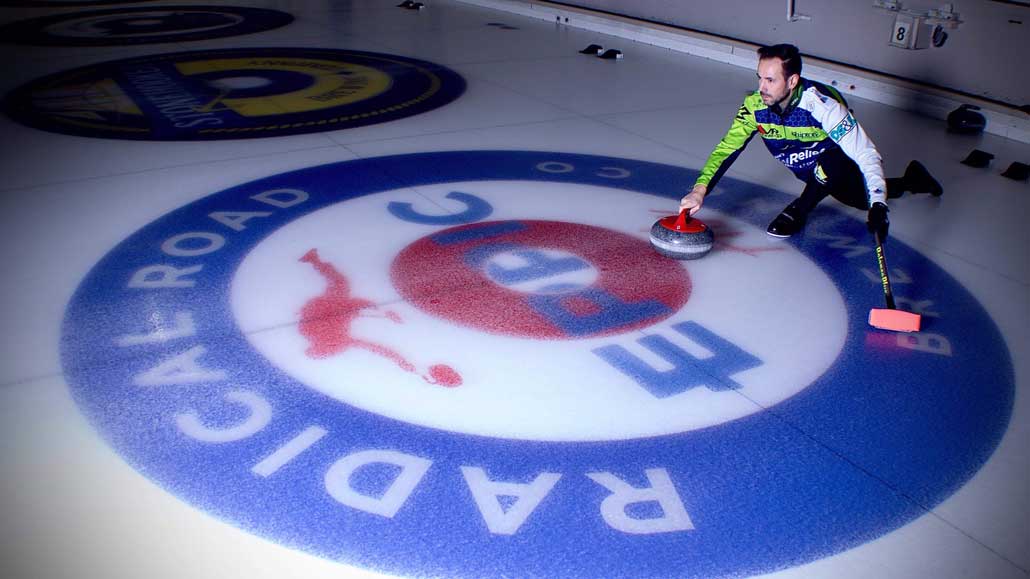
(844, 130)
(736, 138)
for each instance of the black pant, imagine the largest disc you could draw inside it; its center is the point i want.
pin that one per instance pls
(837, 175)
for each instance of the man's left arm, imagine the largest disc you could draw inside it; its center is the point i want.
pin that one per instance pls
(844, 130)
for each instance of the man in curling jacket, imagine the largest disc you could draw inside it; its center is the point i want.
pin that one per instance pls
(808, 127)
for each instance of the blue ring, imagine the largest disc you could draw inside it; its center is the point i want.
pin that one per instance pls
(883, 436)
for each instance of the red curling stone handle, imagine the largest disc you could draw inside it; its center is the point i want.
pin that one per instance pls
(683, 223)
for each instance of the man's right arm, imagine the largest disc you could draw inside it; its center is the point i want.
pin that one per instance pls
(719, 161)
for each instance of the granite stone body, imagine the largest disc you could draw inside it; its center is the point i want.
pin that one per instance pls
(681, 239)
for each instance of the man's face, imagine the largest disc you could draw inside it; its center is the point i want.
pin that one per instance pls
(772, 85)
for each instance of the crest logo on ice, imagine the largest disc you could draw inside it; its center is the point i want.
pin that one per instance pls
(143, 25)
(361, 406)
(233, 94)
(538, 279)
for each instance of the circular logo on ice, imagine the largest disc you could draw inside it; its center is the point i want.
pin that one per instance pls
(233, 94)
(143, 25)
(472, 364)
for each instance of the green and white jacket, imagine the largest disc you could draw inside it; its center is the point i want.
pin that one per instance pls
(815, 120)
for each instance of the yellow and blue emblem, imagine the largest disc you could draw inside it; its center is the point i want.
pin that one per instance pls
(233, 94)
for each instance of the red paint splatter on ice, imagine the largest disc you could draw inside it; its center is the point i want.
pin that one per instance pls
(443, 375)
(726, 233)
(326, 323)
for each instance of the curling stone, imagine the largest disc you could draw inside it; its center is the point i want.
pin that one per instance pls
(681, 237)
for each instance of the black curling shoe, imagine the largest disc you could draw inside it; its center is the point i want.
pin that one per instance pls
(787, 223)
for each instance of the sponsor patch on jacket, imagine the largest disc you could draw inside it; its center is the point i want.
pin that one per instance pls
(843, 128)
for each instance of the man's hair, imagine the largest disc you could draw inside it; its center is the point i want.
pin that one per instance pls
(787, 53)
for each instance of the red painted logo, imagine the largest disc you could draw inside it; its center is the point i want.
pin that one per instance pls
(540, 279)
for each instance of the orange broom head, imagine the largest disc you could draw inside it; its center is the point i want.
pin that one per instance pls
(895, 320)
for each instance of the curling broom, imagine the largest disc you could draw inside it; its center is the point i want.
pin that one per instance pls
(890, 318)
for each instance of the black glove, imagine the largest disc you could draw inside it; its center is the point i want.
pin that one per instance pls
(878, 221)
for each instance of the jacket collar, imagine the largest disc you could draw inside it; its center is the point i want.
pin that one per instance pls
(795, 98)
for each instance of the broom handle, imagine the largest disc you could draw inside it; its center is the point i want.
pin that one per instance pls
(884, 278)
